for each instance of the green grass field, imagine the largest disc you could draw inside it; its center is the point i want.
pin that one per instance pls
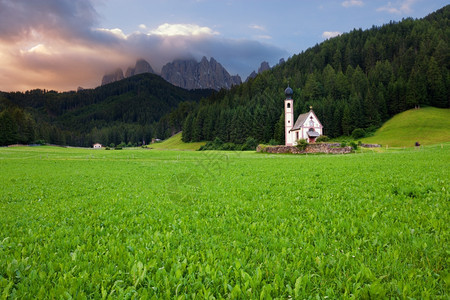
(427, 126)
(175, 143)
(80, 223)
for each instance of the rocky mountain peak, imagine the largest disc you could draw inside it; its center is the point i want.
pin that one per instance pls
(129, 72)
(113, 76)
(142, 66)
(190, 74)
(264, 67)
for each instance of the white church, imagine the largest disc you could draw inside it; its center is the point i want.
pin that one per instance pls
(306, 127)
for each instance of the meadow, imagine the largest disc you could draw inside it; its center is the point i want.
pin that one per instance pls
(79, 223)
(427, 125)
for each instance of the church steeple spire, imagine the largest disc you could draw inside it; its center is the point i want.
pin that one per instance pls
(288, 115)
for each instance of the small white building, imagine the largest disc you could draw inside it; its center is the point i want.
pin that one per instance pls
(306, 127)
(97, 146)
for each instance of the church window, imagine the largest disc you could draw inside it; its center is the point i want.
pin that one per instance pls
(288, 105)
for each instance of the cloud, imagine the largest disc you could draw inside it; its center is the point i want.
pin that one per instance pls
(167, 29)
(400, 7)
(257, 27)
(330, 34)
(57, 44)
(20, 19)
(117, 32)
(349, 3)
(264, 37)
(39, 48)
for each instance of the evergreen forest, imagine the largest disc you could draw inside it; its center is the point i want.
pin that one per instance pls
(130, 111)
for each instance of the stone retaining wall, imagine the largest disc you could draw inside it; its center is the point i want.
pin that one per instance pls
(310, 148)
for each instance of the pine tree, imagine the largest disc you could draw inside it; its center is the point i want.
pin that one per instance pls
(279, 130)
(435, 85)
(8, 129)
(188, 129)
(346, 121)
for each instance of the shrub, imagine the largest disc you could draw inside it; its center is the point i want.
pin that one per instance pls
(250, 144)
(354, 145)
(322, 138)
(301, 144)
(263, 147)
(107, 148)
(273, 142)
(343, 144)
(358, 133)
(207, 146)
(217, 143)
(118, 148)
(230, 146)
(371, 129)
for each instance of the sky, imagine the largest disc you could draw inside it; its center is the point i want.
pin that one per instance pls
(66, 44)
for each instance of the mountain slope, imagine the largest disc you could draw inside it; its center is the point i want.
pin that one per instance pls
(425, 125)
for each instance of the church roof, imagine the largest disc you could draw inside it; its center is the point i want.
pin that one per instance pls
(300, 120)
(313, 134)
(288, 92)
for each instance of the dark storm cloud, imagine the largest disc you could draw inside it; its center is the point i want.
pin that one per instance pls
(57, 18)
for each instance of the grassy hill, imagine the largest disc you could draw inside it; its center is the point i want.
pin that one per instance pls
(426, 125)
(175, 143)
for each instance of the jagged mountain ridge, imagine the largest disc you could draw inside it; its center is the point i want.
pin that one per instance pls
(188, 74)
(263, 67)
(114, 76)
(142, 66)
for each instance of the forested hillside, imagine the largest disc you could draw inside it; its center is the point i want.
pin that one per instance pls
(356, 80)
(126, 111)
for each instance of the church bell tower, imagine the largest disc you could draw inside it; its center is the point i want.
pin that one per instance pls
(288, 116)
